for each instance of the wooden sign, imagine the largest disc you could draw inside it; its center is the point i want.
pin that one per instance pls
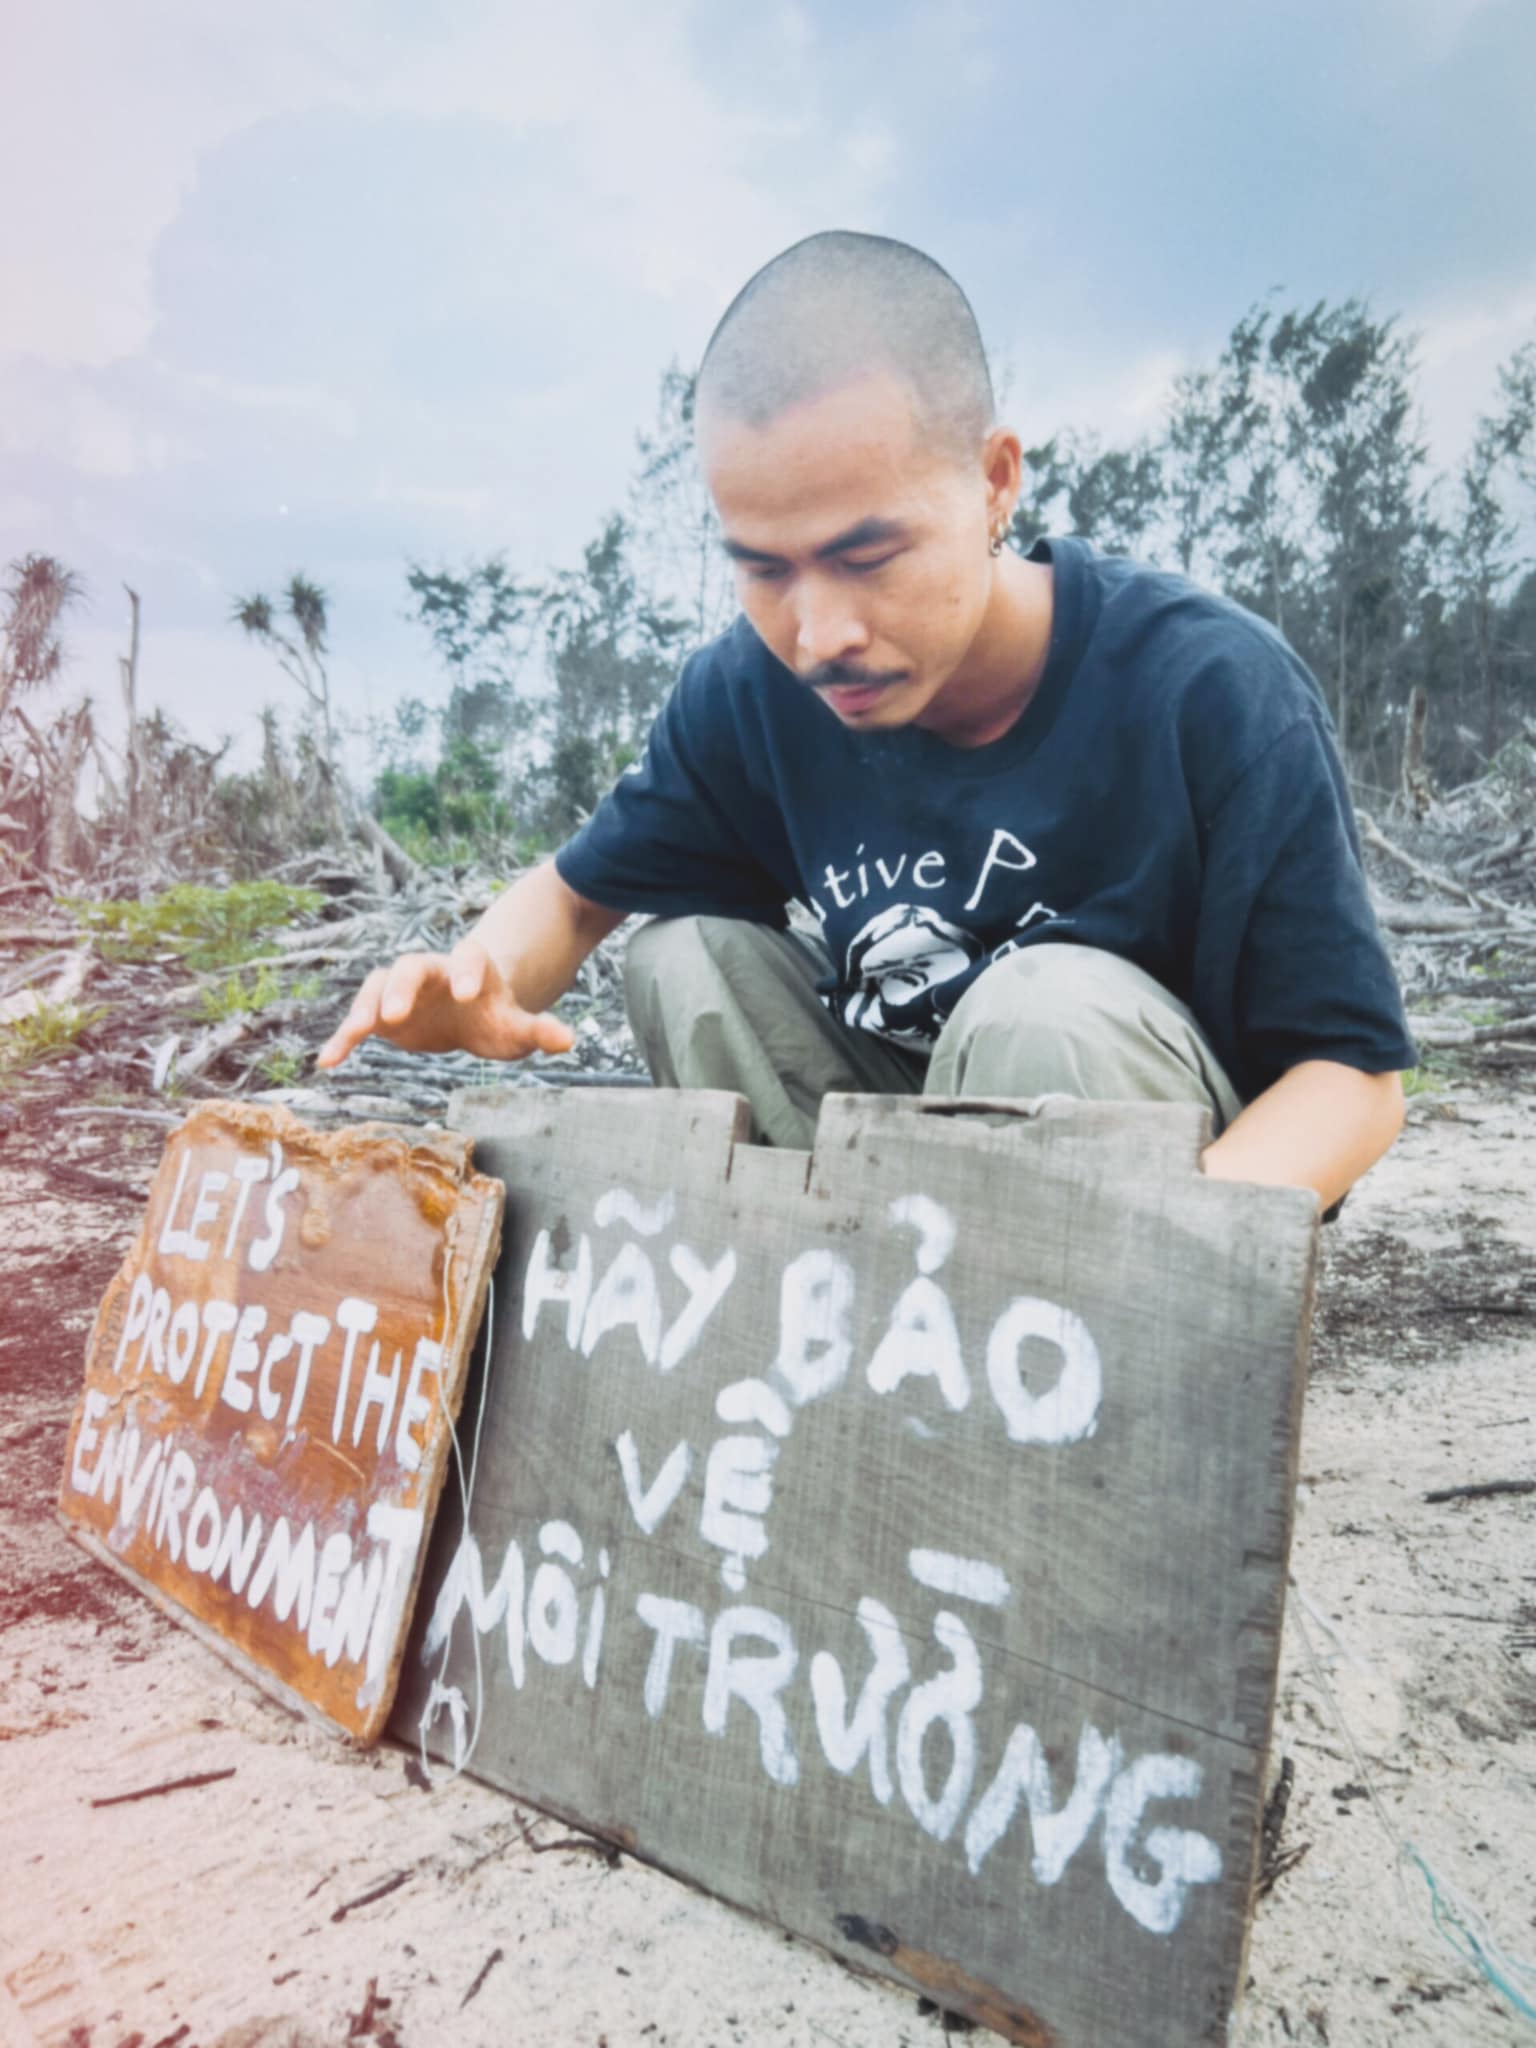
(270, 1392)
(890, 1539)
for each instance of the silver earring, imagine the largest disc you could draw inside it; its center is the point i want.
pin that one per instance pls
(995, 546)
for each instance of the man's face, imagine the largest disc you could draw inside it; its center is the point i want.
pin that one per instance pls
(860, 547)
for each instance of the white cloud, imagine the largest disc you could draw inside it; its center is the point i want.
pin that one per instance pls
(871, 150)
(1049, 389)
(97, 435)
(107, 111)
(1461, 346)
(432, 497)
(315, 407)
(1432, 28)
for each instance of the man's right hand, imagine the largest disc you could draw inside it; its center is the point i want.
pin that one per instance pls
(446, 1002)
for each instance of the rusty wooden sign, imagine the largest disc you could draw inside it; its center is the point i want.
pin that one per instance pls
(270, 1391)
(890, 1539)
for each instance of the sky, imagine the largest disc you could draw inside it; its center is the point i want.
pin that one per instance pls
(341, 288)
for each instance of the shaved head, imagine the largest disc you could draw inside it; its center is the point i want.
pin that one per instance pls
(837, 307)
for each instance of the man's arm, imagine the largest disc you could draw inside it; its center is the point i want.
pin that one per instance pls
(1320, 1126)
(491, 994)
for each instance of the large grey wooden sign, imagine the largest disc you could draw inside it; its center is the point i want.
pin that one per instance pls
(891, 1539)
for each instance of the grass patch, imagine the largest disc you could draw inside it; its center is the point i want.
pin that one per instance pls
(1431, 1077)
(282, 1065)
(46, 1033)
(209, 928)
(239, 994)
(235, 993)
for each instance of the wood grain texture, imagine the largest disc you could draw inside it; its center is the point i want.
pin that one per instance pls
(890, 1539)
(270, 1390)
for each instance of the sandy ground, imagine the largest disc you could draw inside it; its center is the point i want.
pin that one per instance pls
(304, 1894)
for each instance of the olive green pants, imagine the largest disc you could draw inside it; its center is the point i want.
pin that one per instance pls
(720, 1003)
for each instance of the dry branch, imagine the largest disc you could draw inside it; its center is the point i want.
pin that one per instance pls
(1373, 835)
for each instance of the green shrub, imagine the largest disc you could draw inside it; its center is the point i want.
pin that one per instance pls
(210, 928)
(234, 994)
(282, 1065)
(45, 1033)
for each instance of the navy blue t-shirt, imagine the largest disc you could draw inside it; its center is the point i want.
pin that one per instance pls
(1172, 793)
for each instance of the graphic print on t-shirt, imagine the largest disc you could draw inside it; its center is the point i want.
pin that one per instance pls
(902, 970)
(897, 968)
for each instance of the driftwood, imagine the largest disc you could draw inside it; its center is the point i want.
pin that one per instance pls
(1428, 1031)
(1435, 879)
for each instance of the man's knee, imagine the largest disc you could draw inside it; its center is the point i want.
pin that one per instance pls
(667, 952)
(647, 954)
(1077, 1020)
(1049, 985)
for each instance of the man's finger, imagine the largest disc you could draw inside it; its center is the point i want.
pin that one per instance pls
(357, 1024)
(467, 964)
(405, 984)
(548, 1034)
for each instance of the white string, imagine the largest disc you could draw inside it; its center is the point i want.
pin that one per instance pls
(439, 1694)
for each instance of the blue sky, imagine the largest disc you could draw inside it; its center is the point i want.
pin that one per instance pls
(336, 288)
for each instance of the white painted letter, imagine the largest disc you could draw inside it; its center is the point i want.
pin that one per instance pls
(309, 1332)
(265, 1249)
(815, 1304)
(137, 1316)
(1183, 1857)
(1057, 1832)
(181, 1342)
(219, 1318)
(922, 1341)
(552, 1617)
(649, 1503)
(960, 1578)
(675, 1621)
(380, 1391)
(464, 1586)
(268, 1400)
(757, 1681)
(203, 1211)
(171, 1240)
(627, 1293)
(950, 1698)
(237, 1549)
(399, 1530)
(289, 1569)
(335, 1556)
(1070, 1410)
(357, 1318)
(247, 1172)
(202, 1547)
(244, 1357)
(845, 1737)
(96, 1405)
(180, 1485)
(571, 1284)
(738, 1492)
(706, 1287)
(415, 1407)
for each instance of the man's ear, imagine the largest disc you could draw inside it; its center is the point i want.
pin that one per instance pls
(1002, 462)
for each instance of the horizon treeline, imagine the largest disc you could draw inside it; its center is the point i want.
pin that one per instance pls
(1291, 474)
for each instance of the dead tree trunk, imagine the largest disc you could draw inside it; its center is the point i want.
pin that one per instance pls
(128, 668)
(1418, 792)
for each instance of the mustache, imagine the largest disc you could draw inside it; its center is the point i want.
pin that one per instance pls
(830, 675)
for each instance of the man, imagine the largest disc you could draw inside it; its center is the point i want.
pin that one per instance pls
(1063, 823)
